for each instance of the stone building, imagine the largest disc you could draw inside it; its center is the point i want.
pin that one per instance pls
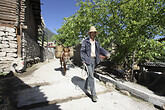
(19, 24)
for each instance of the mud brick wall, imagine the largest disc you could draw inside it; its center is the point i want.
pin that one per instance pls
(8, 47)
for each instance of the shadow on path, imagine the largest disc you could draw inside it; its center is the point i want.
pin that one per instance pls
(15, 95)
(79, 83)
(61, 70)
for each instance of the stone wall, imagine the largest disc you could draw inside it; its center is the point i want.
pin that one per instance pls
(30, 21)
(47, 54)
(30, 48)
(8, 47)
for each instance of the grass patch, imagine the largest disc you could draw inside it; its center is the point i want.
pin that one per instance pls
(3, 74)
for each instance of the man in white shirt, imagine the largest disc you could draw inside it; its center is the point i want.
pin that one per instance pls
(90, 51)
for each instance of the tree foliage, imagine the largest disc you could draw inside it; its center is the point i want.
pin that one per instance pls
(131, 25)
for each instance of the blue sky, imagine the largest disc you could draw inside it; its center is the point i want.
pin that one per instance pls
(53, 12)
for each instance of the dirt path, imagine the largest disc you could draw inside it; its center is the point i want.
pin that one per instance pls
(45, 88)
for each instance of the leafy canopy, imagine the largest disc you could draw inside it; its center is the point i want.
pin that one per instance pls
(131, 25)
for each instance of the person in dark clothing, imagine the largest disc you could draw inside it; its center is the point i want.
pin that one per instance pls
(90, 51)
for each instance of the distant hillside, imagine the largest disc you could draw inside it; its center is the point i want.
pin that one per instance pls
(49, 33)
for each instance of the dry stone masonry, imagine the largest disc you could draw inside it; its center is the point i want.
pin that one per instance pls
(19, 26)
(30, 48)
(8, 47)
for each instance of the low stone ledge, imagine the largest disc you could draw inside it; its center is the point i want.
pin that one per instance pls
(152, 98)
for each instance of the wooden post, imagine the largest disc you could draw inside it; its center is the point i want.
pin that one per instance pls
(19, 33)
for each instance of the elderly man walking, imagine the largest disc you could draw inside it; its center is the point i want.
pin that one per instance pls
(90, 51)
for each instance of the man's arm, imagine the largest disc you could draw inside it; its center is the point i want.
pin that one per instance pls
(104, 52)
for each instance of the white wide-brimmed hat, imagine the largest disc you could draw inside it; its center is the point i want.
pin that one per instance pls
(92, 29)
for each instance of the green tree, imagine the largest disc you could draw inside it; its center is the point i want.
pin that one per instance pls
(130, 24)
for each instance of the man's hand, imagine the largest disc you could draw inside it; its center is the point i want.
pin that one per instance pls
(108, 56)
(83, 64)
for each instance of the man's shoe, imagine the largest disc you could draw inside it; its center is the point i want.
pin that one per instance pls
(94, 98)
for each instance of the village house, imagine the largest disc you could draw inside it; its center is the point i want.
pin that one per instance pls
(20, 21)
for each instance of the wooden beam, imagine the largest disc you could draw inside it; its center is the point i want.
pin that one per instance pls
(7, 13)
(7, 18)
(7, 22)
(9, 1)
(10, 5)
(8, 8)
(7, 25)
(18, 33)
